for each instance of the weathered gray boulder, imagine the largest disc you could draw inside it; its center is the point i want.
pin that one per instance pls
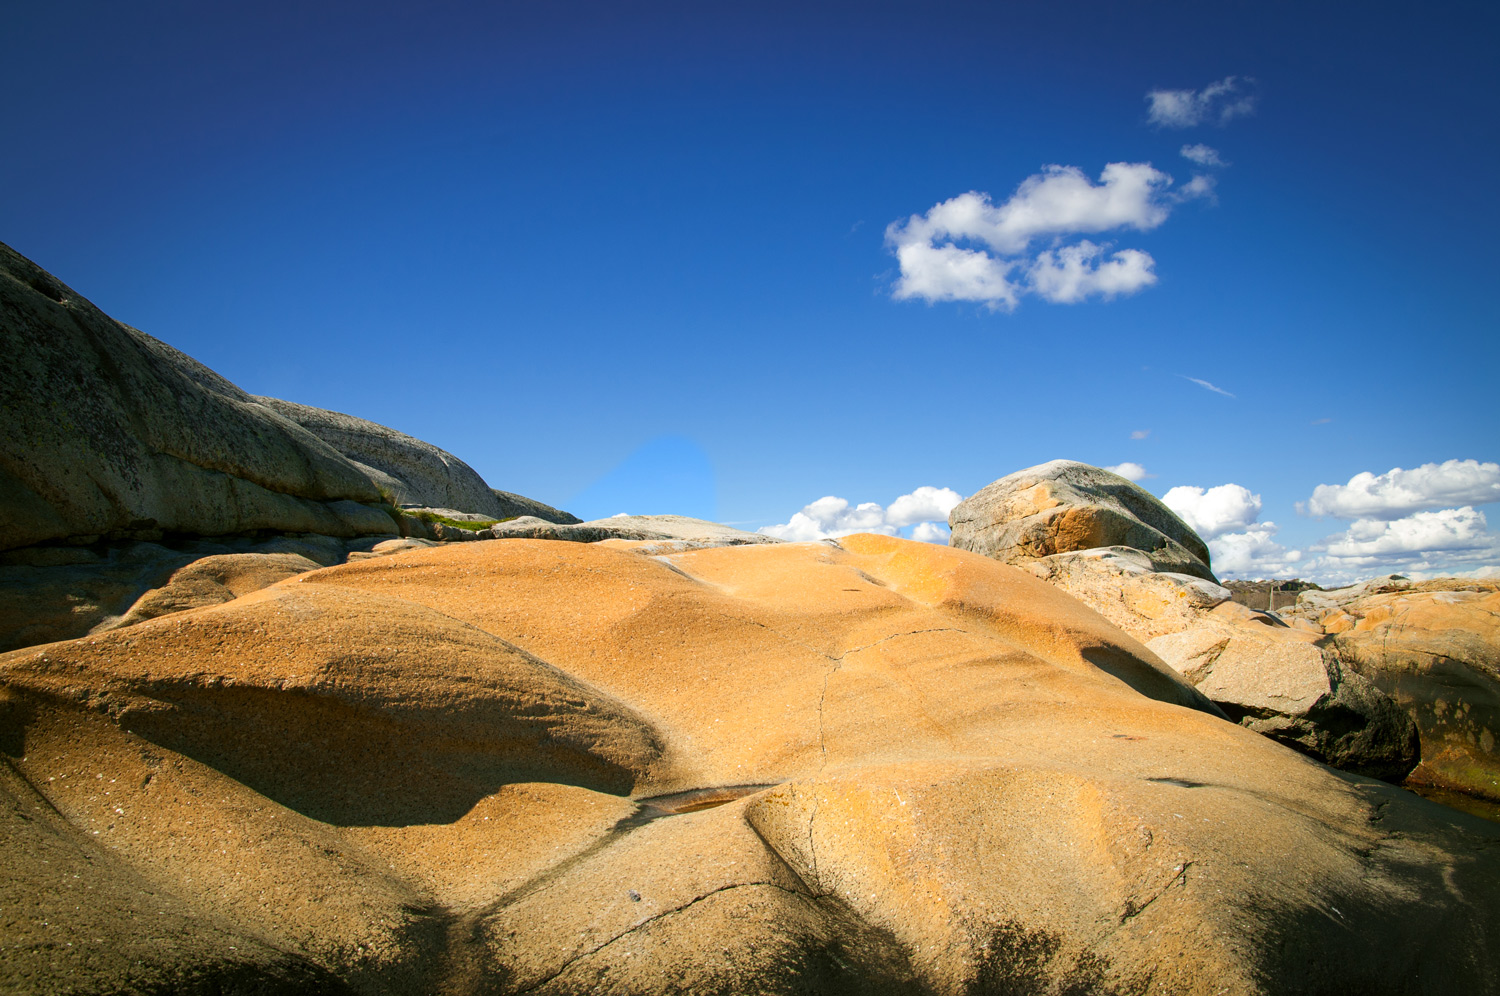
(409, 471)
(111, 433)
(1064, 505)
(1281, 683)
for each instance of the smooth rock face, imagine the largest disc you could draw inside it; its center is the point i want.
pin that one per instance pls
(112, 433)
(1063, 506)
(1434, 648)
(867, 767)
(409, 471)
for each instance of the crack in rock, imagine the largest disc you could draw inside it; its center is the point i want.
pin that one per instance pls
(652, 919)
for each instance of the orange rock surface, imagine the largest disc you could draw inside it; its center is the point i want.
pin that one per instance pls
(525, 766)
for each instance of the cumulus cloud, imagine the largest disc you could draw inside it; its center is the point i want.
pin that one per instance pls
(925, 504)
(1129, 471)
(1075, 272)
(1398, 492)
(1446, 542)
(1214, 511)
(930, 532)
(925, 509)
(1206, 385)
(1202, 154)
(968, 248)
(1218, 103)
(1421, 533)
(1253, 553)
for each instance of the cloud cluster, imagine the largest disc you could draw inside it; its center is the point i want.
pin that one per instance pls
(1253, 553)
(1130, 471)
(1400, 525)
(1398, 492)
(1218, 103)
(968, 248)
(925, 510)
(1214, 511)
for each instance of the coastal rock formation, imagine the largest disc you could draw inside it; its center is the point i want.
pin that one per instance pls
(409, 471)
(1063, 506)
(538, 767)
(114, 435)
(1272, 679)
(1434, 647)
(1122, 585)
(1281, 683)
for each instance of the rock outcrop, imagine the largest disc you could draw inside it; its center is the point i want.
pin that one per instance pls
(550, 768)
(1064, 506)
(1123, 586)
(1274, 680)
(1280, 682)
(1434, 647)
(111, 434)
(408, 471)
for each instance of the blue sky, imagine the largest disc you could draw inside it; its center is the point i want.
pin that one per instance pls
(640, 258)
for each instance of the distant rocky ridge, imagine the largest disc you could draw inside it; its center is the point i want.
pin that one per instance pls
(114, 435)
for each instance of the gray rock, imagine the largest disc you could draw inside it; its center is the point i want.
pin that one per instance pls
(515, 506)
(1064, 506)
(111, 433)
(408, 471)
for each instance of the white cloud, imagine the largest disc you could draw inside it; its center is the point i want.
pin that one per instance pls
(968, 248)
(1446, 543)
(1399, 492)
(948, 273)
(1202, 155)
(1140, 433)
(930, 532)
(1200, 185)
(1214, 511)
(1075, 272)
(1217, 103)
(925, 508)
(1206, 385)
(926, 504)
(1253, 553)
(1421, 533)
(1129, 471)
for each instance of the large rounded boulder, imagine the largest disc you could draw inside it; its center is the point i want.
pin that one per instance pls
(1064, 506)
